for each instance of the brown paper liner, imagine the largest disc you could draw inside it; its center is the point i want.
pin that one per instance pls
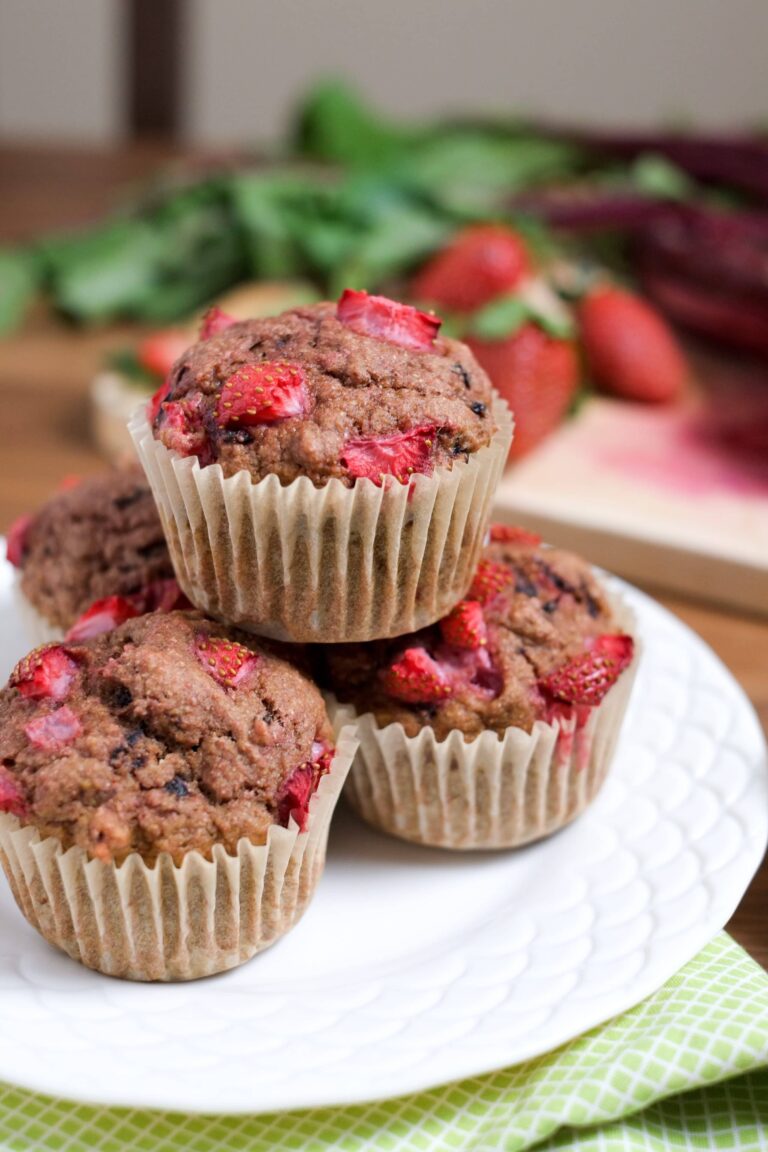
(330, 564)
(173, 922)
(492, 792)
(37, 629)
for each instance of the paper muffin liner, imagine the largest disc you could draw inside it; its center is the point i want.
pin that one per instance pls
(331, 564)
(170, 922)
(492, 792)
(37, 629)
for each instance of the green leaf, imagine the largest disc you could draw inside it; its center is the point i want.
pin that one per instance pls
(19, 282)
(126, 363)
(499, 319)
(394, 243)
(334, 124)
(657, 176)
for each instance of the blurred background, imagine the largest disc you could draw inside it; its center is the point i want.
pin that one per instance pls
(580, 190)
(216, 71)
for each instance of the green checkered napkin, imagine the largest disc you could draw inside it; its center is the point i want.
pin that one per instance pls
(686, 1069)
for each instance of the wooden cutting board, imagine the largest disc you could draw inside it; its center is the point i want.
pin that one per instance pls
(674, 496)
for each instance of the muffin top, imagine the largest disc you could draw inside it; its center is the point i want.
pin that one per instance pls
(534, 640)
(100, 538)
(365, 388)
(170, 733)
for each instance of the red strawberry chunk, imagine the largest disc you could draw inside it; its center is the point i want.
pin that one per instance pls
(416, 679)
(16, 540)
(512, 534)
(160, 596)
(385, 319)
(102, 616)
(481, 263)
(160, 351)
(54, 730)
(302, 784)
(226, 661)
(11, 798)
(263, 393)
(465, 626)
(157, 400)
(295, 797)
(618, 647)
(490, 578)
(181, 428)
(45, 674)
(400, 455)
(215, 321)
(588, 677)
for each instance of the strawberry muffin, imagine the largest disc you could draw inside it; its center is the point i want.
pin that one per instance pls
(165, 795)
(495, 726)
(345, 440)
(95, 551)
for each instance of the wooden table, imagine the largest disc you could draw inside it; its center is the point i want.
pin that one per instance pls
(45, 371)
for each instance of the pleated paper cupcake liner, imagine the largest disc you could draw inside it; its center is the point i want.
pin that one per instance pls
(37, 629)
(331, 564)
(170, 922)
(491, 792)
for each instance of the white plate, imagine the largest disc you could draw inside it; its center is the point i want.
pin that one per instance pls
(415, 967)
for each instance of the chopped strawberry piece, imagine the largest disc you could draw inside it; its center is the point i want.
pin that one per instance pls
(322, 756)
(490, 577)
(226, 661)
(302, 784)
(615, 646)
(262, 393)
(587, 677)
(45, 674)
(416, 679)
(69, 481)
(215, 321)
(465, 626)
(385, 319)
(295, 797)
(400, 455)
(160, 596)
(54, 730)
(511, 534)
(160, 351)
(181, 428)
(102, 616)
(481, 263)
(157, 400)
(11, 798)
(16, 540)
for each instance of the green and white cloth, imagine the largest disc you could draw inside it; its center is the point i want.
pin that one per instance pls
(686, 1069)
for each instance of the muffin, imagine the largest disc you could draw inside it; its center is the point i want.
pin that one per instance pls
(327, 474)
(497, 725)
(166, 790)
(90, 543)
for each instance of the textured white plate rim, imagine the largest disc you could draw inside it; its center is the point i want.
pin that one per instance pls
(330, 1080)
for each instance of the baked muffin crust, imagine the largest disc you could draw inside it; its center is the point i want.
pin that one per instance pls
(101, 538)
(354, 388)
(169, 734)
(542, 607)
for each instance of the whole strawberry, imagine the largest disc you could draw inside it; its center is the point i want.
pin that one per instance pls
(630, 349)
(537, 374)
(481, 263)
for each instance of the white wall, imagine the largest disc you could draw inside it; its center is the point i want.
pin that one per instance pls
(604, 60)
(61, 73)
(615, 61)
